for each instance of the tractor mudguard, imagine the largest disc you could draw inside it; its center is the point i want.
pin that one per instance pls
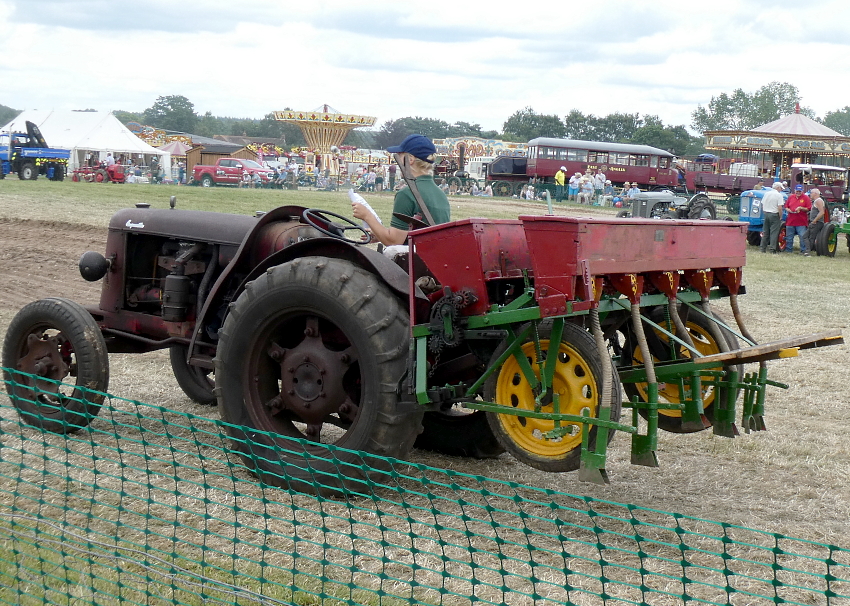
(245, 264)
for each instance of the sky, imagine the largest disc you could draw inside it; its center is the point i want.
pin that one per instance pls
(468, 61)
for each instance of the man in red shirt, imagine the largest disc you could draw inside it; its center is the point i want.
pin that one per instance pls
(798, 206)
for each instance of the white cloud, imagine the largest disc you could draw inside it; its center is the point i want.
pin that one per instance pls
(470, 62)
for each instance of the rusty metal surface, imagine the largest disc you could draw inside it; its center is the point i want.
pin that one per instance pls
(468, 253)
(191, 225)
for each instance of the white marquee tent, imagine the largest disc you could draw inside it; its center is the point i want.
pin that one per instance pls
(84, 133)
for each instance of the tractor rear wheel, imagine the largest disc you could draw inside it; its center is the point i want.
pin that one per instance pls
(781, 241)
(698, 326)
(309, 358)
(701, 207)
(503, 189)
(53, 339)
(28, 172)
(577, 380)
(753, 238)
(196, 382)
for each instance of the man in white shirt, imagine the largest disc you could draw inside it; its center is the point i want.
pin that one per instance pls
(771, 210)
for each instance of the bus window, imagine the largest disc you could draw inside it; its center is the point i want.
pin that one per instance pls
(632, 160)
(653, 161)
(641, 161)
(663, 162)
(562, 153)
(577, 155)
(620, 159)
(532, 151)
(602, 157)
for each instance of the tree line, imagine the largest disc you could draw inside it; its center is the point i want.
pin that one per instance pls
(738, 110)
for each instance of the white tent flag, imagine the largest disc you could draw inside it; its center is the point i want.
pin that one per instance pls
(84, 133)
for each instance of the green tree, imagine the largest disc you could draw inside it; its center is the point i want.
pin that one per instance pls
(124, 117)
(174, 113)
(7, 114)
(839, 120)
(526, 124)
(617, 127)
(578, 126)
(208, 126)
(744, 111)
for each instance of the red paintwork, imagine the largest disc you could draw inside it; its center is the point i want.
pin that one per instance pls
(228, 171)
(567, 252)
(567, 255)
(469, 253)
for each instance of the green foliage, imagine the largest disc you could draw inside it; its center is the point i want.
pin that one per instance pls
(394, 131)
(124, 117)
(745, 111)
(839, 120)
(526, 124)
(174, 113)
(7, 114)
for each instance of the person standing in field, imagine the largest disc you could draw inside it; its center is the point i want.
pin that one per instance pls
(817, 215)
(797, 220)
(771, 205)
(560, 179)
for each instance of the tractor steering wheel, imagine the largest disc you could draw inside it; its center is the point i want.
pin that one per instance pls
(319, 219)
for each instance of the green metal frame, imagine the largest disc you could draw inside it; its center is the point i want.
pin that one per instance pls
(690, 374)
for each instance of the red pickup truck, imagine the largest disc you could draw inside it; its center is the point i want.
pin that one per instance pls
(228, 171)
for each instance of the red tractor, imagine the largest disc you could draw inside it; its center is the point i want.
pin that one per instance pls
(100, 174)
(484, 336)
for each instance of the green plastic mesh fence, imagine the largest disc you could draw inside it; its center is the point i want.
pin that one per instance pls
(143, 505)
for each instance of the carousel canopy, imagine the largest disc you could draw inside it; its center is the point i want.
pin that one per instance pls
(175, 148)
(793, 135)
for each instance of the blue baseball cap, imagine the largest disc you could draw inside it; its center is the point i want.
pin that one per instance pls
(415, 145)
(799, 188)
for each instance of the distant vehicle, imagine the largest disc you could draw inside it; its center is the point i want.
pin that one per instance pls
(28, 155)
(733, 178)
(228, 171)
(649, 167)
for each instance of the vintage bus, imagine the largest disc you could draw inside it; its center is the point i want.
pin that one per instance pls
(649, 167)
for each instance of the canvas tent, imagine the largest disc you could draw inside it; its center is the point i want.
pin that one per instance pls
(89, 134)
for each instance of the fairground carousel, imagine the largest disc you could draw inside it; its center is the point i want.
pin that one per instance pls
(776, 146)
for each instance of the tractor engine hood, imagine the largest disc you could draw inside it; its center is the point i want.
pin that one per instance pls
(194, 225)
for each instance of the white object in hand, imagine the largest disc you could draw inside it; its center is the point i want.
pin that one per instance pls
(355, 197)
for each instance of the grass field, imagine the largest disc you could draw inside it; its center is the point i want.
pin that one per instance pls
(790, 479)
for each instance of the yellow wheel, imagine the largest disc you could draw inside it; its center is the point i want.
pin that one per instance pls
(578, 382)
(704, 342)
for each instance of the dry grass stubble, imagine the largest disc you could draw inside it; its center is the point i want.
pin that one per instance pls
(791, 479)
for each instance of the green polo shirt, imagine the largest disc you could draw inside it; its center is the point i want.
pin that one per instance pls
(435, 199)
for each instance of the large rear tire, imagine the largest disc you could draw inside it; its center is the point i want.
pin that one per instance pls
(701, 207)
(310, 358)
(196, 382)
(53, 339)
(577, 380)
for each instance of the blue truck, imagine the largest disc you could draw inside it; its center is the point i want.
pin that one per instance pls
(28, 155)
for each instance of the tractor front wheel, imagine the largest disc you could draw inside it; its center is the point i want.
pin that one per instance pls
(827, 241)
(459, 433)
(196, 382)
(28, 172)
(309, 359)
(51, 340)
(578, 382)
